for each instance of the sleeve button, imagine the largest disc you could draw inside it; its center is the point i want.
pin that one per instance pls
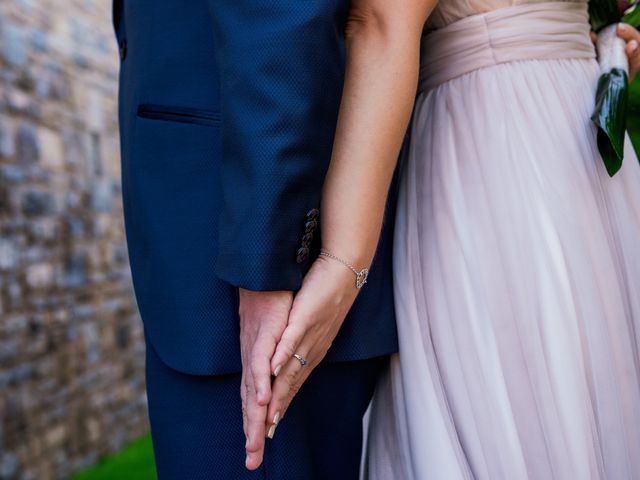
(313, 214)
(303, 254)
(310, 226)
(307, 239)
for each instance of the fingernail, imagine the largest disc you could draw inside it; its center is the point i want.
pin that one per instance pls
(272, 431)
(277, 370)
(622, 27)
(276, 418)
(634, 46)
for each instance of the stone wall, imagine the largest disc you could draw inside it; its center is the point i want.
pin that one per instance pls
(71, 351)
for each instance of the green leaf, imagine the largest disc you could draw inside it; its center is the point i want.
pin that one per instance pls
(603, 13)
(632, 17)
(610, 116)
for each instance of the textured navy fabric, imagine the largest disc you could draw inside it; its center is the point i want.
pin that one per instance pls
(196, 424)
(227, 115)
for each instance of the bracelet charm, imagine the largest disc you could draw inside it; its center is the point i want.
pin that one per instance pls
(361, 275)
(361, 278)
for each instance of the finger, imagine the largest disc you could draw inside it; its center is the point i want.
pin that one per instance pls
(594, 37)
(243, 396)
(263, 351)
(256, 417)
(633, 53)
(285, 388)
(627, 32)
(288, 345)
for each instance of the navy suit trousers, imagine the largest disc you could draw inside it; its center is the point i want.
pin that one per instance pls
(196, 424)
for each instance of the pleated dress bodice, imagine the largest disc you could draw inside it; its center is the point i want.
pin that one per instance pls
(450, 11)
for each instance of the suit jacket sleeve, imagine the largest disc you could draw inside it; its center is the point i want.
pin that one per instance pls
(281, 67)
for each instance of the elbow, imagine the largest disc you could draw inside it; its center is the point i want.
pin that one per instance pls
(379, 27)
(363, 21)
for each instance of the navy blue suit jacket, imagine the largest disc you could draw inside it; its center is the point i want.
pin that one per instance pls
(227, 114)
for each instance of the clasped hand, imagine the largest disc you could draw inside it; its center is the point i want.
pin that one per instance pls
(632, 38)
(273, 327)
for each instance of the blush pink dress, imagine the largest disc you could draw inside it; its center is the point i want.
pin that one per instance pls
(517, 262)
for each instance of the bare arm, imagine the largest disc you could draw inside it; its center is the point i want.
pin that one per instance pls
(383, 48)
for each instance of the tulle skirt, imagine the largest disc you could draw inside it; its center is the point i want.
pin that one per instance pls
(517, 281)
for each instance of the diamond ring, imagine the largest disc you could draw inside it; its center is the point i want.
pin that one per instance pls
(301, 359)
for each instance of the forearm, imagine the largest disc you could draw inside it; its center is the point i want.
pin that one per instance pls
(379, 93)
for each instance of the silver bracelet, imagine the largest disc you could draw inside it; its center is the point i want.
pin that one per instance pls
(361, 276)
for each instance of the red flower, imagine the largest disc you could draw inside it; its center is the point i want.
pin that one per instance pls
(623, 5)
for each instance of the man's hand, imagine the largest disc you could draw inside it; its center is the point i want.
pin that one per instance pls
(263, 319)
(319, 309)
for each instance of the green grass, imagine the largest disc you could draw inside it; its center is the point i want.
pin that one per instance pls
(134, 462)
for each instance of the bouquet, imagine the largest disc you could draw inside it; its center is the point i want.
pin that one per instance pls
(610, 115)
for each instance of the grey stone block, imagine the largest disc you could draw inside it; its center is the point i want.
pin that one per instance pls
(13, 46)
(27, 145)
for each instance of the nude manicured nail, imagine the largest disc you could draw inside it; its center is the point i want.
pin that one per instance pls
(622, 27)
(277, 370)
(276, 418)
(272, 431)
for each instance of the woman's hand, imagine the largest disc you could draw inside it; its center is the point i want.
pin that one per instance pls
(382, 42)
(632, 37)
(319, 309)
